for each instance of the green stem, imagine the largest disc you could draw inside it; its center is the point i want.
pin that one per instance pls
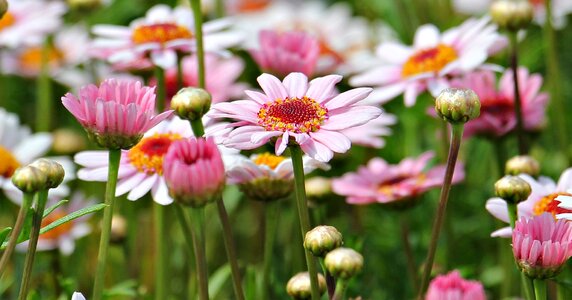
(198, 16)
(161, 251)
(26, 202)
(271, 221)
(456, 137)
(114, 157)
(560, 292)
(185, 227)
(198, 127)
(341, 287)
(512, 213)
(528, 287)
(180, 74)
(220, 9)
(33, 243)
(198, 228)
(230, 249)
(160, 76)
(44, 92)
(304, 217)
(411, 267)
(540, 289)
(500, 154)
(522, 147)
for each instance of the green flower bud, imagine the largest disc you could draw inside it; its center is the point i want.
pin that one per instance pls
(191, 103)
(299, 286)
(512, 14)
(522, 164)
(54, 171)
(512, 189)
(29, 179)
(322, 239)
(458, 105)
(343, 262)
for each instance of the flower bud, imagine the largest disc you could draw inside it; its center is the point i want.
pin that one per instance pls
(343, 262)
(3, 8)
(67, 141)
(522, 164)
(318, 189)
(118, 229)
(53, 171)
(299, 286)
(457, 105)
(512, 15)
(322, 239)
(29, 179)
(191, 103)
(512, 189)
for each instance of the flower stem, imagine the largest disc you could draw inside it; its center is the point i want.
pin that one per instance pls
(114, 157)
(522, 147)
(540, 289)
(33, 243)
(341, 286)
(198, 228)
(26, 202)
(185, 227)
(230, 249)
(198, 17)
(180, 74)
(160, 76)
(512, 213)
(198, 127)
(330, 280)
(271, 222)
(304, 217)
(528, 287)
(161, 251)
(220, 9)
(411, 267)
(456, 137)
(44, 91)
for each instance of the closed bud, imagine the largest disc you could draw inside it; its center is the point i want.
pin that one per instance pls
(522, 164)
(191, 103)
(322, 239)
(512, 189)
(29, 179)
(457, 105)
(512, 15)
(318, 189)
(54, 171)
(343, 262)
(299, 286)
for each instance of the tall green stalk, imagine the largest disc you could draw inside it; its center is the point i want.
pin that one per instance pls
(198, 228)
(161, 92)
(26, 202)
(198, 17)
(271, 221)
(540, 289)
(410, 258)
(520, 134)
(44, 91)
(303, 215)
(230, 250)
(114, 157)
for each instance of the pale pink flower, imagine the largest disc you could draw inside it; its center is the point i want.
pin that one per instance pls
(117, 113)
(429, 63)
(287, 52)
(194, 171)
(453, 287)
(497, 105)
(542, 199)
(380, 182)
(541, 245)
(309, 113)
(160, 35)
(370, 134)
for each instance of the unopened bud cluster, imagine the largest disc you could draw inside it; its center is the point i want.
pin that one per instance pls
(343, 262)
(522, 164)
(512, 189)
(322, 239)
(299, 286)
(42, 174)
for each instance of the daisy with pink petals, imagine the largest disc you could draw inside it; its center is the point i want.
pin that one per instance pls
(429, 63)
(380, 182)
(370, 134)
(453, 287)
(160, 35)
(542, 245)
(310, 114)
(117, 113)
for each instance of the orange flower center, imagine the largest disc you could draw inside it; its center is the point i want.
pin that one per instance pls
(429, 60)
(7, 21)
(267, 159)
(31, 58)
(326, 50)
(57, 232)
(252, 5)
(8, 163)
(147, 155)
(298, 115)
(160, 33)
(549, 204)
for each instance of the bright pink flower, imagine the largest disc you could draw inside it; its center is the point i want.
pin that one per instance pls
(117, 113)
(380, 182)
(541, 245)
(453, 287)
(282, 53)
(311, 114)
(194, 171)
(497, 106)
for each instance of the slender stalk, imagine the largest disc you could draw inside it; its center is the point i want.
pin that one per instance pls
(33, 243)
(522, 147)
(161, 92)
(220, 9)
(198, 128)
(456, 137)
(512, 213)
(560, 291)
(411, 266)
(161, 239)
(198, 228)
(184, 225)
(114, 157)
(271, 221)
(500, 154)
(528, 287)
(341, 287)
(330, 280)
(540, 289)
(230, 250)
(44, 91)
(26, 202)
(304, 217)
(198, 16)
(180, 74)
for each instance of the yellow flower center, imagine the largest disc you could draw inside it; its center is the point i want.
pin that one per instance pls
(7, 21)
(267, 159)
(58, 231)
(31, 58)
(429, 60)
(549, 204)
(8, 163)
(252, 5)
(298, 115)
(160, 33)
(147, 155)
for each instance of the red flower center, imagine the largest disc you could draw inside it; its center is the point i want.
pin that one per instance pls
(298, 115)
(549, 204)
(252, 5)
(160, 33)
(429, 60)
(147, 155)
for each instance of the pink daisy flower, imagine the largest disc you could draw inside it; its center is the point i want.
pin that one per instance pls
(543, 198)
(497, 106)
(453, 287)
(542, 245)
(160, 35)
(309, 113)
(117, 113)
(287, 52)
(430, 61)
(380, 182)
(370, 134)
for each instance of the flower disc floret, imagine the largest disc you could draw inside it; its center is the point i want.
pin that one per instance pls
(160, 33)
(9, 163)
(429, 60)
(300, 115)
(147, 155)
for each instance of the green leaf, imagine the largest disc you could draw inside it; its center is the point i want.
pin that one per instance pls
(126, 288)
(80, 213)
(50, 209)
(218, 279)
(4, 234)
